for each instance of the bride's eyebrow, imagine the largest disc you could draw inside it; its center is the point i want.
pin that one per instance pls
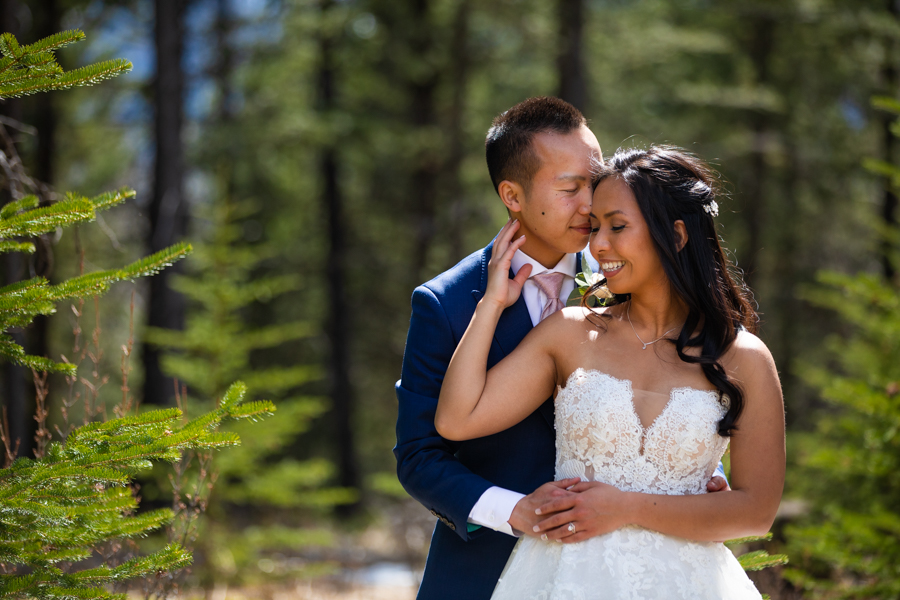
(613, 212)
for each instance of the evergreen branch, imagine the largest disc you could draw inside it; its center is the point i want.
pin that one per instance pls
(9, 46)
(82, 76)
(156, 262)
(162, 415)
(43, 64)
(98, 282)
(233, 396)
(13, 246)
(11, 585)
(220, 439)
(886, 103)
(760, 559)
(109, 199)
(253, 409)
(16, 355)
(28, 202)
(47, 218)
(21, 286)
(57, 555)
(748, 539)
(268, 337)
(64, 593)
(278, 379)
(55, 41)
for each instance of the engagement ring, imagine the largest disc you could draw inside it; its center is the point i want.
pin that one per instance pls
(571, 527)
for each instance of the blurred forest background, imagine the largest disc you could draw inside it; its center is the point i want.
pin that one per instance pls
(326, 156)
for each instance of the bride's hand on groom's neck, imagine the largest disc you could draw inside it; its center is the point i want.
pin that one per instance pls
(501, 290)
(524, 517)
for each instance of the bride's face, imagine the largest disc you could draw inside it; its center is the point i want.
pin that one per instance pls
(621, 240)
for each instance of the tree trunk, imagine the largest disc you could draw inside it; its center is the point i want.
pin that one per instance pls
(754, 209)
(16, 399)
(339, 329)
(224, 65)
(168, 211)
(423, 115)
(45, 119)
(570, 62)
(459, 71)
(889, 201)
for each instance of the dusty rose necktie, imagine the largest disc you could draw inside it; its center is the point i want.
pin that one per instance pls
(550, 284)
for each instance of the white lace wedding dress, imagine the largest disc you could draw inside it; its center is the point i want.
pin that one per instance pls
(599, 437)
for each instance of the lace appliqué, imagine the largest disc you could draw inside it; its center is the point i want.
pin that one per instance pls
(599, 437)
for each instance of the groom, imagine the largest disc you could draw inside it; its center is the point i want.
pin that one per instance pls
(485, 491)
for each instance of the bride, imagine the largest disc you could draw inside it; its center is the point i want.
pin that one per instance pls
(649, 392)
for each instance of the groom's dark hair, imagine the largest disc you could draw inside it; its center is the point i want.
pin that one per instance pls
(510, 155)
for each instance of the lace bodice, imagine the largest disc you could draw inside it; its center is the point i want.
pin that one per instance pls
(599, 436)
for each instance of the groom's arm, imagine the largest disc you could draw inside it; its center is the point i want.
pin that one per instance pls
(426, 463)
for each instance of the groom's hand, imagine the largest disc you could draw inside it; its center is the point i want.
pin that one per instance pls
(717, 484)
(594, 509)
(524, 517)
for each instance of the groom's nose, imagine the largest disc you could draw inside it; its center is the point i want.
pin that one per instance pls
(586, 201)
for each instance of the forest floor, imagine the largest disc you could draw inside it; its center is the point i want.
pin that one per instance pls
(384, 561)
(381, 561)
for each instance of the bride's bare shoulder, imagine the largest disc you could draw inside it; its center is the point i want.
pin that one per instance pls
(749, 355)
(573, 319)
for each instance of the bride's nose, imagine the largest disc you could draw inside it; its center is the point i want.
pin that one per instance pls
(599, 243)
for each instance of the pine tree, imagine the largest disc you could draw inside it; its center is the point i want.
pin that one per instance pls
(849, 546)
(217, 346)
(56, 510)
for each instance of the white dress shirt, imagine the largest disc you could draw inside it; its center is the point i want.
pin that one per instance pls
(495, 506)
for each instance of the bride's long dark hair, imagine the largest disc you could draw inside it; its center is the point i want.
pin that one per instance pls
(671, 184)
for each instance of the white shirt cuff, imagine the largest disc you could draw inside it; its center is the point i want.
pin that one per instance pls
(494, 509)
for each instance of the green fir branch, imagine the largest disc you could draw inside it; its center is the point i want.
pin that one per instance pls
(82, 76)
(13, 246)
(26, 203)
(55, 41)
(43, 219)
(760, 559)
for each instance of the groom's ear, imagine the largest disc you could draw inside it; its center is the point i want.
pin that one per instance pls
(512, 195)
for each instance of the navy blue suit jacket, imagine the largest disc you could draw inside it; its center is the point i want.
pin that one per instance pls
(449, 477)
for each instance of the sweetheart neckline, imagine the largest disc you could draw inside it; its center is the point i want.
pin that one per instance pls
(645, 431)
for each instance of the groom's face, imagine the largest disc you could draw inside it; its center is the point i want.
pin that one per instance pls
(554, 209)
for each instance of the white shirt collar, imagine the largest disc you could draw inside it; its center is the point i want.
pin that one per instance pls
(566, 265)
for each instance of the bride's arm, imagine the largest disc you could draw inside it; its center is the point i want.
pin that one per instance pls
(474, 402)
(757, 474)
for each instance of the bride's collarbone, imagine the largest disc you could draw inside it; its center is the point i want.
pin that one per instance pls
(654, 375)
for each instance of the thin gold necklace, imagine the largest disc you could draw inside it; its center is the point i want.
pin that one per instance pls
(628, 314)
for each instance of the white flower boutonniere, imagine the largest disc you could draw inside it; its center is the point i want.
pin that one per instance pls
(587, 280)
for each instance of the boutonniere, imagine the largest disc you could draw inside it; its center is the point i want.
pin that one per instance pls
(586, 281)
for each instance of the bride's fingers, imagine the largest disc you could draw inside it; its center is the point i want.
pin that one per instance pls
(579, 536)
(523, 274)
(506, 233)
(557, 533)
(505, 247)
(583, 486)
